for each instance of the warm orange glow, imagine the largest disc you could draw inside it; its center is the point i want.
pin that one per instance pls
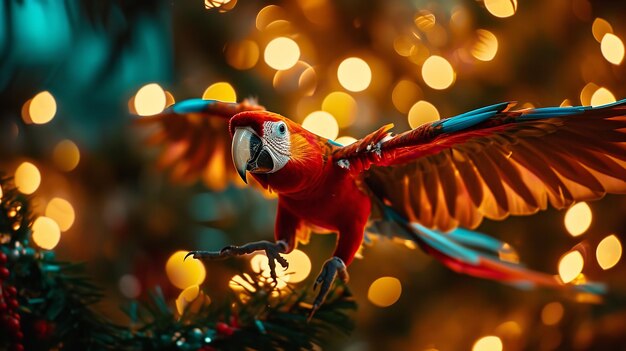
(612, 48)
(609, 252)
(587, 92)
(501, 8)
(578, 219)
(62, 212)
(552, 313)
(570, 266)
(488, 343)
(269, 14)
(129, 286)
(186, 297)
(66, 155)
(438, 73)
(321, 123)
(299, 266)
(486, 45)
(150, 100)
(27, 178)
(384, 291)
(260, 264)
(600, 28)
(46, 233)
(242, 55)
(42, 108)
(186, 273)
(281, 53)
(425, 20)
(354, 74)
(342, 106)
(239, 283)
(601, 97)
(221, 91)
(404, 94)
(422, 112)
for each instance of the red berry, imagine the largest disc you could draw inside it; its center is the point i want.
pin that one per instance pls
(19, 335)
(13, 304)
(3, 306)
(13, 324)
(17, 347)
(4, 273)
(11, 290)
(224, 329)
(3, 258)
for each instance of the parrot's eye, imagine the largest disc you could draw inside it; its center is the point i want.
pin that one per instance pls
(282, 129)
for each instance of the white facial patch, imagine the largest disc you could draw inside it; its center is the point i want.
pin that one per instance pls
(276, 138)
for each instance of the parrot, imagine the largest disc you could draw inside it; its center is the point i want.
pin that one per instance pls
(431, 185)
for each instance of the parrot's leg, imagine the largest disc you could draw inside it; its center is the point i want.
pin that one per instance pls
(272, 250)
(332, 268)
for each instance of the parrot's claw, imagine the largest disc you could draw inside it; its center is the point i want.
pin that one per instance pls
(272, 250)
(332, 268)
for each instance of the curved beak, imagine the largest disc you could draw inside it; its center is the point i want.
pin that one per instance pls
(249, 153)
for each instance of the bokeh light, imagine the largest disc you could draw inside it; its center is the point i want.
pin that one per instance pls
(27, 178)
(281, 53)
(600, 28)
(422, 112)
(501, 8)
(587, 92)
(186, 297)
(342, 106)
(183, 274)
(321, 123)
(242, 55)
(578, 219)
(612, 48)
(269, 14)
(404, 95)
(345, 140)
(437, 72)
(66, 155)
(42, 108)
(552, 313)
(150, 100)
(62, 212)
(260, 264)
(609, 252)
(602, 96)
(354, 74)
(299, 266)
(425, 20)
(129, 286)
(570, 266)
(46, 233)
(221, 5)
(488, 343)
(221, 91)
(486, 45)
(239, 283)
(384, 291)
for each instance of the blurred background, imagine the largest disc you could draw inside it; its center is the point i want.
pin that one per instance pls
(75, 74)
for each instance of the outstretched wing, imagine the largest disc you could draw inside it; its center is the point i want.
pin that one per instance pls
(493, 162)
(196, 141)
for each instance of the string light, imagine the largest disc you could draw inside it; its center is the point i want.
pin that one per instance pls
(404, 94)
(501, 8)
(281, 53)
(299, 266)
(437, 72)
(260, 264)
(345, 140)
(27, 178)
(486, 45)
(66, 155)
(46, 233)
(150, 100)
(422, 112)
(570, 266)
(62, 212)
(384, 291)
(342, 106)
(242, 55)
(321, 123)
(186, 297)
(488, 343)
(578, 219)
(42, 108)
(354, 74)
(602, 96)
(612, 48)
(587, 92)
(609, 252)
(221, 91)
(552, 313)
(183, 274)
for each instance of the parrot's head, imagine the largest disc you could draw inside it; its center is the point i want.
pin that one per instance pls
(266, 142)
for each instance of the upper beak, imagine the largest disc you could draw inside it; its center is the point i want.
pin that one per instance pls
(249, 154)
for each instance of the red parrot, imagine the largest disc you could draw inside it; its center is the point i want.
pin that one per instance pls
(420, 185)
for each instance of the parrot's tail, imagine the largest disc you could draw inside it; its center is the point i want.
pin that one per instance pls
(477, 254)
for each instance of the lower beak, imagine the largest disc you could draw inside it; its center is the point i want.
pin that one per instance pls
(249, 154)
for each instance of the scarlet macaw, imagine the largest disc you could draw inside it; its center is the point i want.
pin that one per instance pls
(421, 185)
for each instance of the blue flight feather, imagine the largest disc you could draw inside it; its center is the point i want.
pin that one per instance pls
(445, 245)
(332, 142)
(548, 112)
(469, 119)
(191, 106)
(476, 239)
